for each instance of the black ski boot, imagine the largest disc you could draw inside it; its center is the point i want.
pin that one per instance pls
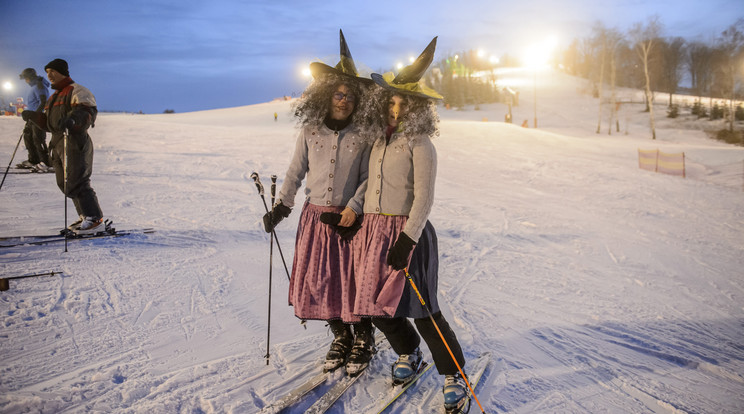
(340, 347)
(364, 348)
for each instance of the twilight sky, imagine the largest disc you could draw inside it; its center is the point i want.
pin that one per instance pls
(190, 55)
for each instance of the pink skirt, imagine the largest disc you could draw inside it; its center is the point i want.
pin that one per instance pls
(322, 286)
(382, 291)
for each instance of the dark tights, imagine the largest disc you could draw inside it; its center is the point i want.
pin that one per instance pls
(404, 339)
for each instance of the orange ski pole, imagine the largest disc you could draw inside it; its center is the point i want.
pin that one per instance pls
(431, 317)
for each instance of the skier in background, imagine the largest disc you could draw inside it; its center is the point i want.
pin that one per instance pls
(396, 233)
(68, 114)
(331, 153)
(34, 137)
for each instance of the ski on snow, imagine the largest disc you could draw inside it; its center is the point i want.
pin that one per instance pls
(28, 171)
(398, 390)
(296, 394)
(14, 241)
(329, 398)
(476, 373)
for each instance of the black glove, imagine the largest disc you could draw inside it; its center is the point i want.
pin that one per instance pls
(398, 255)
(278, 213)
(346, 233)
(27, 115)
(66, 123)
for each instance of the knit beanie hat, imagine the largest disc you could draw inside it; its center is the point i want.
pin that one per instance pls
(59, 65)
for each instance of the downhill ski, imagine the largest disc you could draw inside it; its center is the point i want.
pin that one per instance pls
(399, 390)
(329, 398)
(296, 394)
(316, 381)
(14, 241)
(20, 171)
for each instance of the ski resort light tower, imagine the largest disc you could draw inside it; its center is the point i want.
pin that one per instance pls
(535, 58)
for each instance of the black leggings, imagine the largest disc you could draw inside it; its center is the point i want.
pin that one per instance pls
(404, 339)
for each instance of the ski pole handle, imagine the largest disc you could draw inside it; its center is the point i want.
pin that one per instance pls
(273, 188)
(259, 186)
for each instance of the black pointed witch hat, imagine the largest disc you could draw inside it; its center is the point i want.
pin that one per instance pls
(407, 81)
(345, 67)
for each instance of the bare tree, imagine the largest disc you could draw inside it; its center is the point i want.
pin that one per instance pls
(605, 43)
(700, 65)
(731, 44)
(645, 38)
(599, 40)
(673, 53)
(586, 53)
(629, 73)
(571, 58)
(614, 40)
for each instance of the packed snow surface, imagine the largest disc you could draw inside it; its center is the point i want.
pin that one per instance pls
(597, 286)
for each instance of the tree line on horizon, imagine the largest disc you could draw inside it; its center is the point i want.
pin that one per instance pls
(644, 59)
(641, 58)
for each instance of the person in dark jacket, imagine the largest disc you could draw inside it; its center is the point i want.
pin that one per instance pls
(33, 136)
(68, 114)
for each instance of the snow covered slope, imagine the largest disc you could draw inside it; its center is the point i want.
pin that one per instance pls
(597, 286)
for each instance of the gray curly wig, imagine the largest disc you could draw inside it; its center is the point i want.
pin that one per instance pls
(313, 107)
(421, 118)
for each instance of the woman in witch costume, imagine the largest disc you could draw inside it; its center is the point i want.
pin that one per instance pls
(331, 154)
(396, 233)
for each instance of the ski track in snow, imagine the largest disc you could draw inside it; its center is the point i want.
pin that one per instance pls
(597, 287)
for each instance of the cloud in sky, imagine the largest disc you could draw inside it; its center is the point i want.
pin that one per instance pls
(183, 55)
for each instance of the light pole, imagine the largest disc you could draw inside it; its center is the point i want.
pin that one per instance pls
(537, 57)
(534, 89)
(534, 58)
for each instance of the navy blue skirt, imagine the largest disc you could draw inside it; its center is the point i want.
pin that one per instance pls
(424, 270)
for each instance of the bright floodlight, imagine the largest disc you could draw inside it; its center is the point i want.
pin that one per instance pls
(538, 54)
(7, 86)
(411, 59)
(481, 53)
(306, 72)
(399, 66)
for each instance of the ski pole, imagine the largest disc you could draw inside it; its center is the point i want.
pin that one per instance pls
(271, 249)
(260, 188)
(5, 285)
(64, 169)
(271, 267)
(431, 317)
(11, 160)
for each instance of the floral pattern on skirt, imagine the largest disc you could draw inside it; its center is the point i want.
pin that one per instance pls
(322, 285)
(382, 291)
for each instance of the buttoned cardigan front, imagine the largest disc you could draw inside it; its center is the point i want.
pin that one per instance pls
(335, 163)
(402, 175)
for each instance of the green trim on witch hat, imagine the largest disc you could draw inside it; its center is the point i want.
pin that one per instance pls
(407, 81)
(345, 66)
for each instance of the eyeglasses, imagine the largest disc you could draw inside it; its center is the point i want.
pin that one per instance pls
(339, 96)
